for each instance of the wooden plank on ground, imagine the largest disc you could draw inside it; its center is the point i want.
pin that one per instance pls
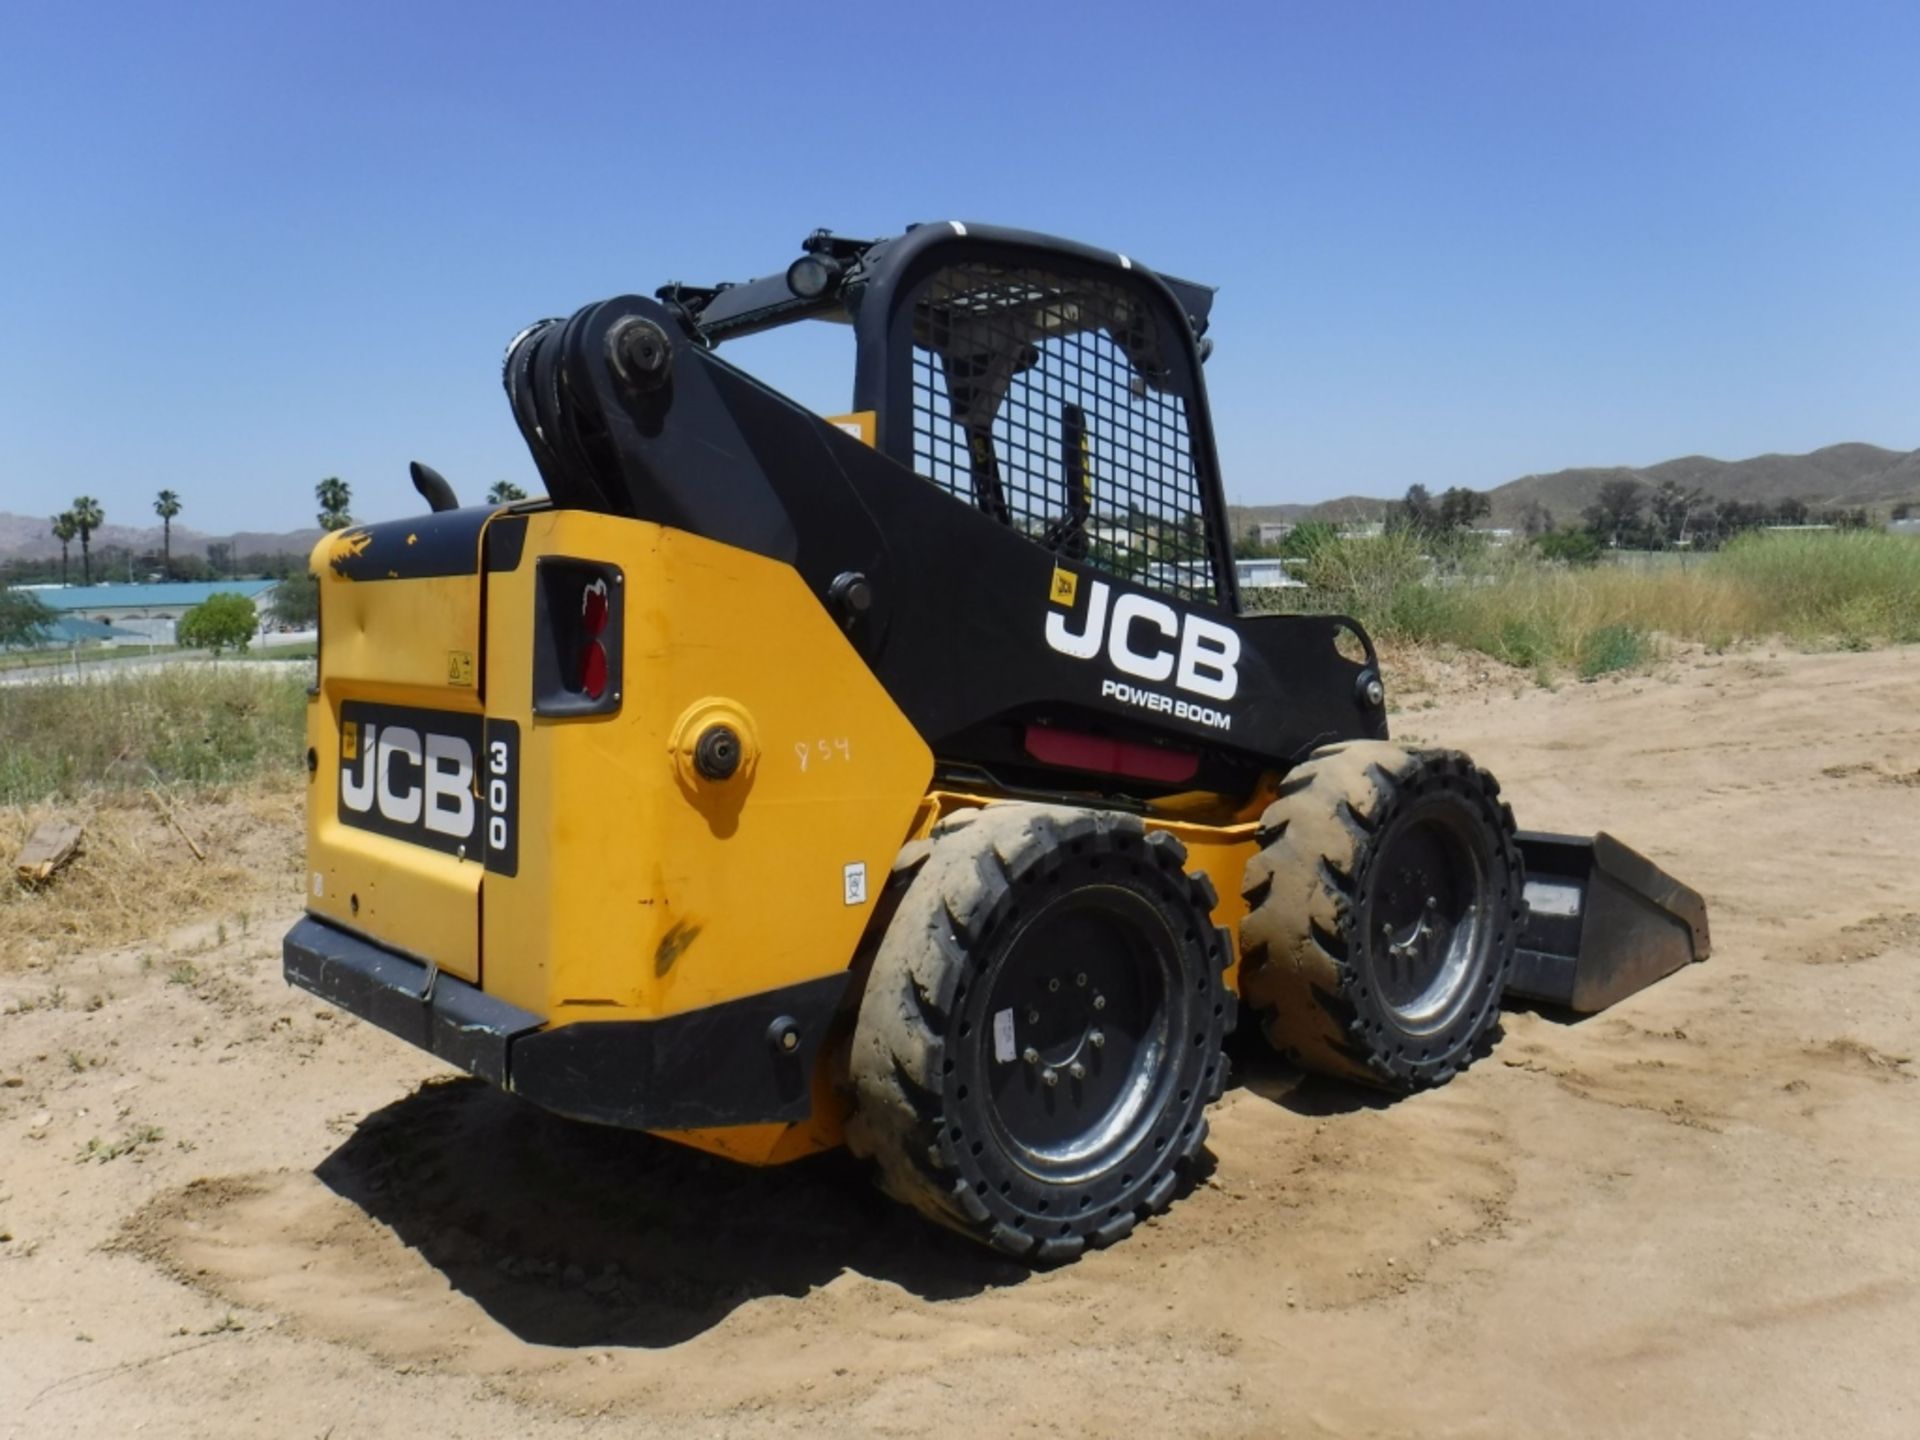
(52, 844)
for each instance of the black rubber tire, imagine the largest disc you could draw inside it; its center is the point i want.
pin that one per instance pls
(939, 1106)
(1319, 963)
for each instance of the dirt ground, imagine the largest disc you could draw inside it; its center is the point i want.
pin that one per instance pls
(227, 1211)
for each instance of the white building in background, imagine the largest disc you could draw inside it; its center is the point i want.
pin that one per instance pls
(1266, 575)
(144, 614)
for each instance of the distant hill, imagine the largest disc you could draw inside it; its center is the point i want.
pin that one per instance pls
(26, 537)
(1849, 475)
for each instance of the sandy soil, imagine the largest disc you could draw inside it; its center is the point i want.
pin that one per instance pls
(227, 1212)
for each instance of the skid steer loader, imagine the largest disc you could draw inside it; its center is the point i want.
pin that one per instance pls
(909, 779)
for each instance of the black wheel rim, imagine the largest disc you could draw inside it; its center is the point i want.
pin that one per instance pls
(1425, 922)
(1078, 1030)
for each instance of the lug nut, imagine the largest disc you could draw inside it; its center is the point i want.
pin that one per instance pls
(1053, 984)
(1096, 1038)
(1080, 979)
(1033, 1017)
(1030, 1055)
(1077, 1070)
(1050, 1075)
(1099, 1002)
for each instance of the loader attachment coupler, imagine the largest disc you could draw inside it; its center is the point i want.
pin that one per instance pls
(1603, 921)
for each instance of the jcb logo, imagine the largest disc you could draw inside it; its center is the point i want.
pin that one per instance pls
(438, 779)
(1149, 640)
(434, 784)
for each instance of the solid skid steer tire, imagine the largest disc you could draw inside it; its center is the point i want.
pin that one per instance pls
(1383, 910)
(1041, 1030)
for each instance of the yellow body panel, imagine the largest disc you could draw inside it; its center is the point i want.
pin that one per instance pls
(424, 655)
(644, 889)
(418, 901)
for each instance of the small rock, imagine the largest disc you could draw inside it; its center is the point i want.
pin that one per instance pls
(41, 1121)
(13, 1082)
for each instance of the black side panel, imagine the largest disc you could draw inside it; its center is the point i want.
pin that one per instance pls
(721, 1065)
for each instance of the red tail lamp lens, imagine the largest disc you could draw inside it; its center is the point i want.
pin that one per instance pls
(593, 670)
(593, 655)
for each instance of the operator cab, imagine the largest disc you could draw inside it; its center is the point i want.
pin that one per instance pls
(1053, 386)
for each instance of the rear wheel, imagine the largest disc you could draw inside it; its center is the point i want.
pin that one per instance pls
(1384, 908)
(1041, 1030)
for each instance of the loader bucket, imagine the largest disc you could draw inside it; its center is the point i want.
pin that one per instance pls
(1603, 921)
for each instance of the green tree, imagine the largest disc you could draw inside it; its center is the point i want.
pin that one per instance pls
(220, 622)
(1308, 539)
(296, 601)
(24, 619)
(1673, 506)
(1415, 512)
(1614, 517)
(1576, 547)
(1459, 507)
(64, 529)
(505, 492)
(335, 496)
(87, 518)
(166, 505)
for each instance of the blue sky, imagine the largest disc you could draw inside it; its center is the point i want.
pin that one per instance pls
(247, 246)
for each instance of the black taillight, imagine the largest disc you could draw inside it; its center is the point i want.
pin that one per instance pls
(577, 633)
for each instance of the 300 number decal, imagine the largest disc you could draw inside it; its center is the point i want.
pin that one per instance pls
(499, 794)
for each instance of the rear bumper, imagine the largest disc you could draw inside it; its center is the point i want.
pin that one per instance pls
(744, 1062)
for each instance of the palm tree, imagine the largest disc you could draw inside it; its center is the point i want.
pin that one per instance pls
(166, 506)
(64, 529)
(87, 518)
(334, 495)
(505, 492)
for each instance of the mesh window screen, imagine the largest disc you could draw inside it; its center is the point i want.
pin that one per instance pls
(1043, 398)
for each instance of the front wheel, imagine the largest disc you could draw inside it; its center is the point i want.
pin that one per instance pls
(1384, 907)
(1042, 1029)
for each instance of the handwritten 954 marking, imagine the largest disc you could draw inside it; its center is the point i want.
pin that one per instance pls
(823, 752)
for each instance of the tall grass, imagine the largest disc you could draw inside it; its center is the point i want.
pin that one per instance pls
(1847, 588)
(192, 725)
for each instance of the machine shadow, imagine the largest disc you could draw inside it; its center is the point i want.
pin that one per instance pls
(576, 1235)
(1264, 1071)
